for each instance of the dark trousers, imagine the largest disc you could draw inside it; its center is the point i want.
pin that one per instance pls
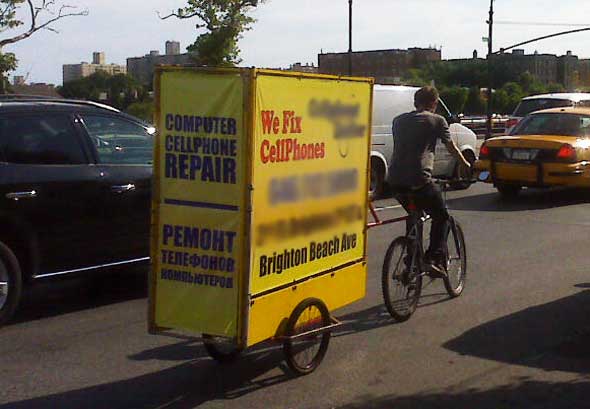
(428, 199)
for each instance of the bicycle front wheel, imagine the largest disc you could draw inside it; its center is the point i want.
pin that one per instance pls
(401, 280)
(456, 261)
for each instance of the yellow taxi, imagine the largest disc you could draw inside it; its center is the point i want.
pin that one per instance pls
(547, 148)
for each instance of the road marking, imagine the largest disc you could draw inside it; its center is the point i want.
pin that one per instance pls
(388, 207)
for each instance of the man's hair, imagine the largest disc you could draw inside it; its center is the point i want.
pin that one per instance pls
(425, 97)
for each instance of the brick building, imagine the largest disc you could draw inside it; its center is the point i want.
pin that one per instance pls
(387, 66)
(298, 67)
(142, 68)
(582, 75)
(20, 87)
(307, 68)
(568, 69)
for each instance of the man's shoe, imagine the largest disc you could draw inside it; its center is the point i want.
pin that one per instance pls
(436, 270)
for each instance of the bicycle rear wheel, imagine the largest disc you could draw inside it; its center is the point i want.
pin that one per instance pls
(456, 260)
(401, 280)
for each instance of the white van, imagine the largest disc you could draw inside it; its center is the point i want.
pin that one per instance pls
(545, 101)
(390, 101)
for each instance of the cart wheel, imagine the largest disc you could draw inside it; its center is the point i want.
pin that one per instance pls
(304, 355)
(221, 349)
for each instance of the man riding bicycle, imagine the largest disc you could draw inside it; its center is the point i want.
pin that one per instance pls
(415, 135)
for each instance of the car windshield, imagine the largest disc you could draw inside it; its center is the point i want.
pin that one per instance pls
(530, 105)
(555, 124)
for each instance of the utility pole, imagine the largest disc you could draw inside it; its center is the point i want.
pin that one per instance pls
(490, 74)
(349, 37)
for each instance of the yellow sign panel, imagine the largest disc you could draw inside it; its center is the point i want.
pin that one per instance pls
(268, 312)
(260, 190)
(198, 229)
(309, 160)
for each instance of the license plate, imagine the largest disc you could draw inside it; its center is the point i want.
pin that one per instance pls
(521, 154)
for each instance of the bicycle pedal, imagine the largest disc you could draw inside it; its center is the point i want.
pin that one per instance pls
(435, 272)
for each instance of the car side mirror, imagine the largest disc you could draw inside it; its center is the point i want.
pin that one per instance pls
(454, 119)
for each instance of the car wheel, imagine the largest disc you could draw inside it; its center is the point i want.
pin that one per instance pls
(377, 180)
(462, 175)
(11, 284)
(508, 191)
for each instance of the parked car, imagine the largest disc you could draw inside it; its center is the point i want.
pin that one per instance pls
(75, 188)
(547, 148)
(545, 101)
(390, 101)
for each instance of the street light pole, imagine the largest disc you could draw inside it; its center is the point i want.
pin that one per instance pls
(349, 37)
(490, 74)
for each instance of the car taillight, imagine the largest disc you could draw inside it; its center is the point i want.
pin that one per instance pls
(511, 122)
(484, 151)
(566, 152)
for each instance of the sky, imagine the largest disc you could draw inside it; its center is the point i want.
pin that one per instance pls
(290, 31)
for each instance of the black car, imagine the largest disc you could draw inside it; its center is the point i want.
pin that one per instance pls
(75, 188)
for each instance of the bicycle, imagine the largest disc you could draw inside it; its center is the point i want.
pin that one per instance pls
(404, 270)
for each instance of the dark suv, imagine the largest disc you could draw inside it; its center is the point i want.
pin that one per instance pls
(75, 187)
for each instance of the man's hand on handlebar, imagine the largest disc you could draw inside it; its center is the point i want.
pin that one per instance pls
(453, 150)
(465, 163)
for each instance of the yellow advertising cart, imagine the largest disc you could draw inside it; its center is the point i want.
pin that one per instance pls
(259, 207)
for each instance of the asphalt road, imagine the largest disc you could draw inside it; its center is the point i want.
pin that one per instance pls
(517, 338)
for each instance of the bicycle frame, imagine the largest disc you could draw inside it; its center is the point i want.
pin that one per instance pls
(416, 237)
(416, 233)
(404, 266)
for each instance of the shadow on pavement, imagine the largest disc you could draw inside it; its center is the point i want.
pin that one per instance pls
(528, 199)
(183, 386)
(553, 336)
(377, 316)
(523, 393)
(52, 298)
(191, 384)
(186, 350)
(360, 321)
(366, 320)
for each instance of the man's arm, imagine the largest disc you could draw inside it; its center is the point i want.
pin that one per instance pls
(445, 137)
(453, 150)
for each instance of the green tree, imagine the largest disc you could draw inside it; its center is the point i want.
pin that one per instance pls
(124, 90)
(555, 87)
(475, 104)
(515, 94)
(526, 81)
(501, 102)
(224, 22)
(455, 98)
(416, 77)
(143, 110)
(121, 90)
(38, 15)
(8, 63)
(468, 73)
(513, 88)
(530, 84)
